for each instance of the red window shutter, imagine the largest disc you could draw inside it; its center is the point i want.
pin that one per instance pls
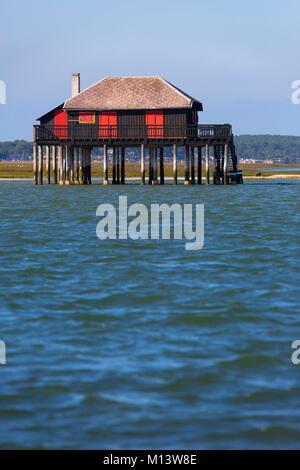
(108, 124)
(155, 124)
(61, 124)
(86, 117)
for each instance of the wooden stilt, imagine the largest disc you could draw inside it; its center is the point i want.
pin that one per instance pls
(35, 164)
(40, 165)
(48, 168)
(114, 166)
(154, 170)
(76, 165)
(187, 166)
(54, 163)
(105, 165)
(199, 173)
(192, 153)
(80, 159)
(225, 165)
(89, 165)
(67, 164)
(72, 173)
(150, 165)
(174, 163)
(59, 164)
(207, 163)
(122, 165)
(143, 174)
(161, 166)
(118, 156)
(83, 158)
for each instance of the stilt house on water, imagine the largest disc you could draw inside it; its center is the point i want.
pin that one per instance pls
(121, 112)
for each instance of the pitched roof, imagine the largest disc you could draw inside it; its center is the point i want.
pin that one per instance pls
(117, 93)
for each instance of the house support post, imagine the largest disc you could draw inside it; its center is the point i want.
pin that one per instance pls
(118, 150)
(187, 166)
(35, 164)
(80, 160)
(105, 165)
(154, 180)
(122, 165)
(225, 164)
(48, 164)
(89, 164)
(67, 164)
(40, 165)
(174, 164)
(150, 165)
(207, 163)
(199, 173)
(54, 163)
(114, 166)
(192, 149)
(143, 174)
(161, 165)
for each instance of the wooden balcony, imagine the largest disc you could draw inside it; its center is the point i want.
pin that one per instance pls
(92, 134)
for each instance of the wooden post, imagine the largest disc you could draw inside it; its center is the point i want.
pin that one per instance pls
(207, 163)
(114, 166)
(174, 163)
(76, 165)
(105, 165)
(40, 165)
(80, 158)
(154, 170)
(225, 165)
(187, 166)
(192, 150)
(199, 165)
(35, 164)
(83, 153)
(67, 164)
(72, 164)
(89, 165)
(48, 163)
(161, 165)
(150, 165)
(60, 164)
(142, 164)
(54, 163)
(122, 165)
(118, 151)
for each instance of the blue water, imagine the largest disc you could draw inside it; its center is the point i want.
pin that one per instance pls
(124, 344)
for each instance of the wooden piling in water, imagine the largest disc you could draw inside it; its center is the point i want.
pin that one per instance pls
(207, 164)
(122, 165)
(35, 164)
(143, 173)
(161, 166)
(40, 165)
(174, 164)
(105, 165)
(187, 166)
(192, 150)
(199, 161)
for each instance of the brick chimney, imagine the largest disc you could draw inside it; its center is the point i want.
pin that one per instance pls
(75, 84)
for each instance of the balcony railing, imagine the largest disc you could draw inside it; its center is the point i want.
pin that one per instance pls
(93, 132)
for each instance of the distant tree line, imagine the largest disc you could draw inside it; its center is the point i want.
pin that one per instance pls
(268, 147)
(16, 148)
(259, 147)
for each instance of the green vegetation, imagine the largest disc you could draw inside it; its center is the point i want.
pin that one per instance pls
(283, 149)
(17, 148)
(269, 147)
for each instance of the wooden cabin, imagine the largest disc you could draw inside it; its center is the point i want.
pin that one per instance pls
(120, 112)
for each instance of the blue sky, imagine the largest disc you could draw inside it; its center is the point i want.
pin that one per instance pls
(239, 58)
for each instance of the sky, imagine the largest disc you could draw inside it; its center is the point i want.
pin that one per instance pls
(238, 58)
